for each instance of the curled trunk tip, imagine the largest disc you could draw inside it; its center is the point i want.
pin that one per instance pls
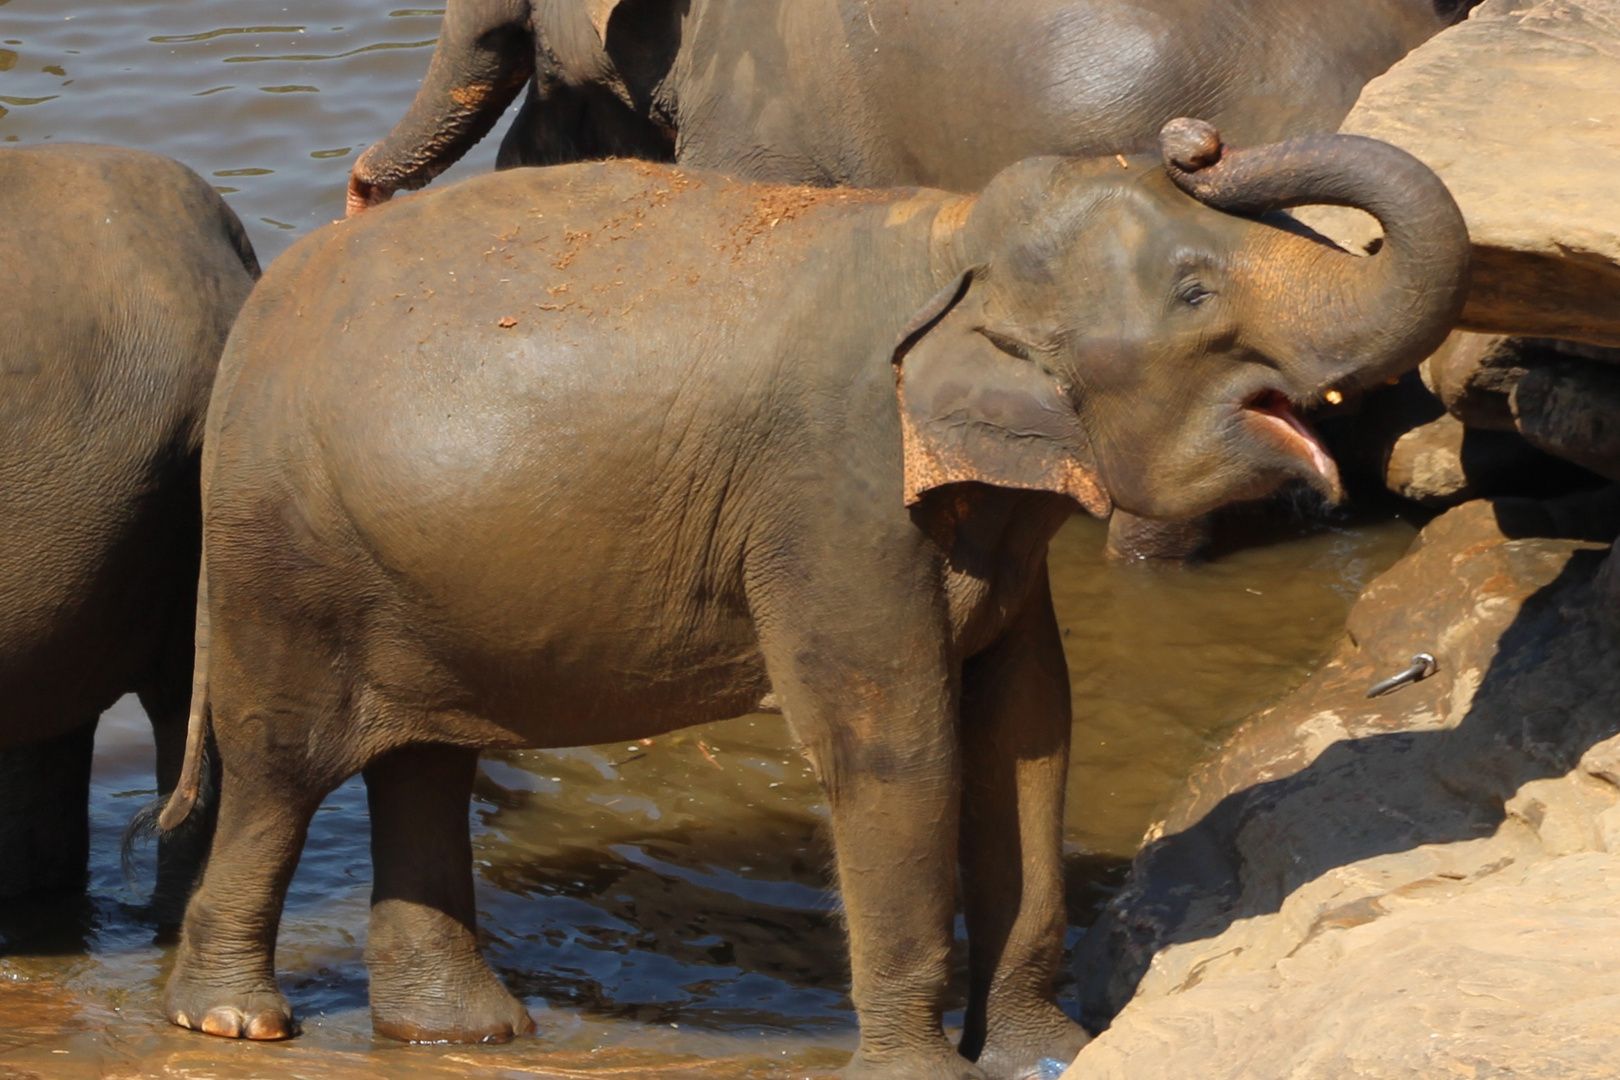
(1189, 145)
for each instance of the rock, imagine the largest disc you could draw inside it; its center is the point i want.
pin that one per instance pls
(1419, 884)
(1570, 407)
(1518, 110)
(1442, 463)
(1473, 375)
(1403, 440)
(1405, 987)
(1572, 410)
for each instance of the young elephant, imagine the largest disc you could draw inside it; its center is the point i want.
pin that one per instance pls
(591, 453)
(121, 273)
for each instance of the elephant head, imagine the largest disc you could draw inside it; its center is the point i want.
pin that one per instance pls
(1134, 333)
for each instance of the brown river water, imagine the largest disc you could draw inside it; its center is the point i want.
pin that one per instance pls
(663, 909)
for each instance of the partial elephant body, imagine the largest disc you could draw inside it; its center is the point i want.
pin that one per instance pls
(872, 93)
(586, 454)
(121, 273)
(883, 92)
(600, 407)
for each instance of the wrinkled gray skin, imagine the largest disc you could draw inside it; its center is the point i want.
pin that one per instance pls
(121, 273)
(571, 456)
(874, 93)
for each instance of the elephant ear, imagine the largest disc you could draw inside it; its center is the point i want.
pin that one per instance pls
(970, 410)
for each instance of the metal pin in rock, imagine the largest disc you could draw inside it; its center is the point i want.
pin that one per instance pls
(1423, 665)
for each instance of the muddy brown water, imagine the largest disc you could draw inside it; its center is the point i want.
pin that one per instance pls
(664, 910)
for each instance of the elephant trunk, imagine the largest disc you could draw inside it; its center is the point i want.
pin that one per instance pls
(484, 56)
(1364, 319)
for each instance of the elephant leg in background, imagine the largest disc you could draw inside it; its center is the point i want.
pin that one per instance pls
(45, 814)
(428, 980)
(1132, 537)
(867, 690)
(166, 697)
(1015, 740)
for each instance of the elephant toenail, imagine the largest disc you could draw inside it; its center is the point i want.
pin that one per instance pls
(266, 1026)
(182, 1019)
(226, 1023)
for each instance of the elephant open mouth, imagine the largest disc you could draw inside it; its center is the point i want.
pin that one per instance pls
(1271, 415)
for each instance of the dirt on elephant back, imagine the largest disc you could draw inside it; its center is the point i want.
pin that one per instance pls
(771, 205)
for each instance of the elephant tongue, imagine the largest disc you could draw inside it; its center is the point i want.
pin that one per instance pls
(1277, 413)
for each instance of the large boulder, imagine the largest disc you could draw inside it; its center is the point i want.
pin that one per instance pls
(1518, 110)
(1425, 883)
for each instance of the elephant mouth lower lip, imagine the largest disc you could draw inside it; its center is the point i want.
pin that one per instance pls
(1276, 419)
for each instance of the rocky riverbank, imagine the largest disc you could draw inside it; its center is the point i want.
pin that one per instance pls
(1417, 884)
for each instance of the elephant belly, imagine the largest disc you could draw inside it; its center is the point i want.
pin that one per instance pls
(556, 591)
(596, 660)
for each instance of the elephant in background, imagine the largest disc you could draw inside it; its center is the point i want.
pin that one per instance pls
(122, 272)
(586, 454)
(874, 93)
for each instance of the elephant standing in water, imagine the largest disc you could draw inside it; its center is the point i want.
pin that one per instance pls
(586, 454)
(873, 93)
(121, 273)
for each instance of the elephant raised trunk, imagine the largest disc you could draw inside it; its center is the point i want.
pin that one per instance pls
(1369, 318)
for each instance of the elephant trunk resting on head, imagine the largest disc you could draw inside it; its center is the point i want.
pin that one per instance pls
(121, 273)
(874, 93)
(580, 455)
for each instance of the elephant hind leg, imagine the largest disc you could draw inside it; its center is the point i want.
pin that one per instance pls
(44, 814)
(224, 979)
(166, 697)
(428, 981)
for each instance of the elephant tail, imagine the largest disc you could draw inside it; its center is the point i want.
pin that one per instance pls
(194, 771)
(174, 817)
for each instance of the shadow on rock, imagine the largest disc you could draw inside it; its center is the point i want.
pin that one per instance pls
(1322, 807)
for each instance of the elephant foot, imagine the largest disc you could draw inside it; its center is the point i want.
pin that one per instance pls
(1038, 1054)
(486, 1014)
(941, 1064)
(262, 1015)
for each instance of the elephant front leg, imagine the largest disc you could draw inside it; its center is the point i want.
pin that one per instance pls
(1015, 738)
(428, 981)
(875, 713)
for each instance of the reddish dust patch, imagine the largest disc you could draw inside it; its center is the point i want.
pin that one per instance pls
(472, 95)
(777, 204)
(574, 241)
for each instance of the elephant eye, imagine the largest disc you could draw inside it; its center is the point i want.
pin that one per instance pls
(1192, 292)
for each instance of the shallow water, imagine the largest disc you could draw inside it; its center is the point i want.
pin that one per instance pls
(660, 908)
(269, 99)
